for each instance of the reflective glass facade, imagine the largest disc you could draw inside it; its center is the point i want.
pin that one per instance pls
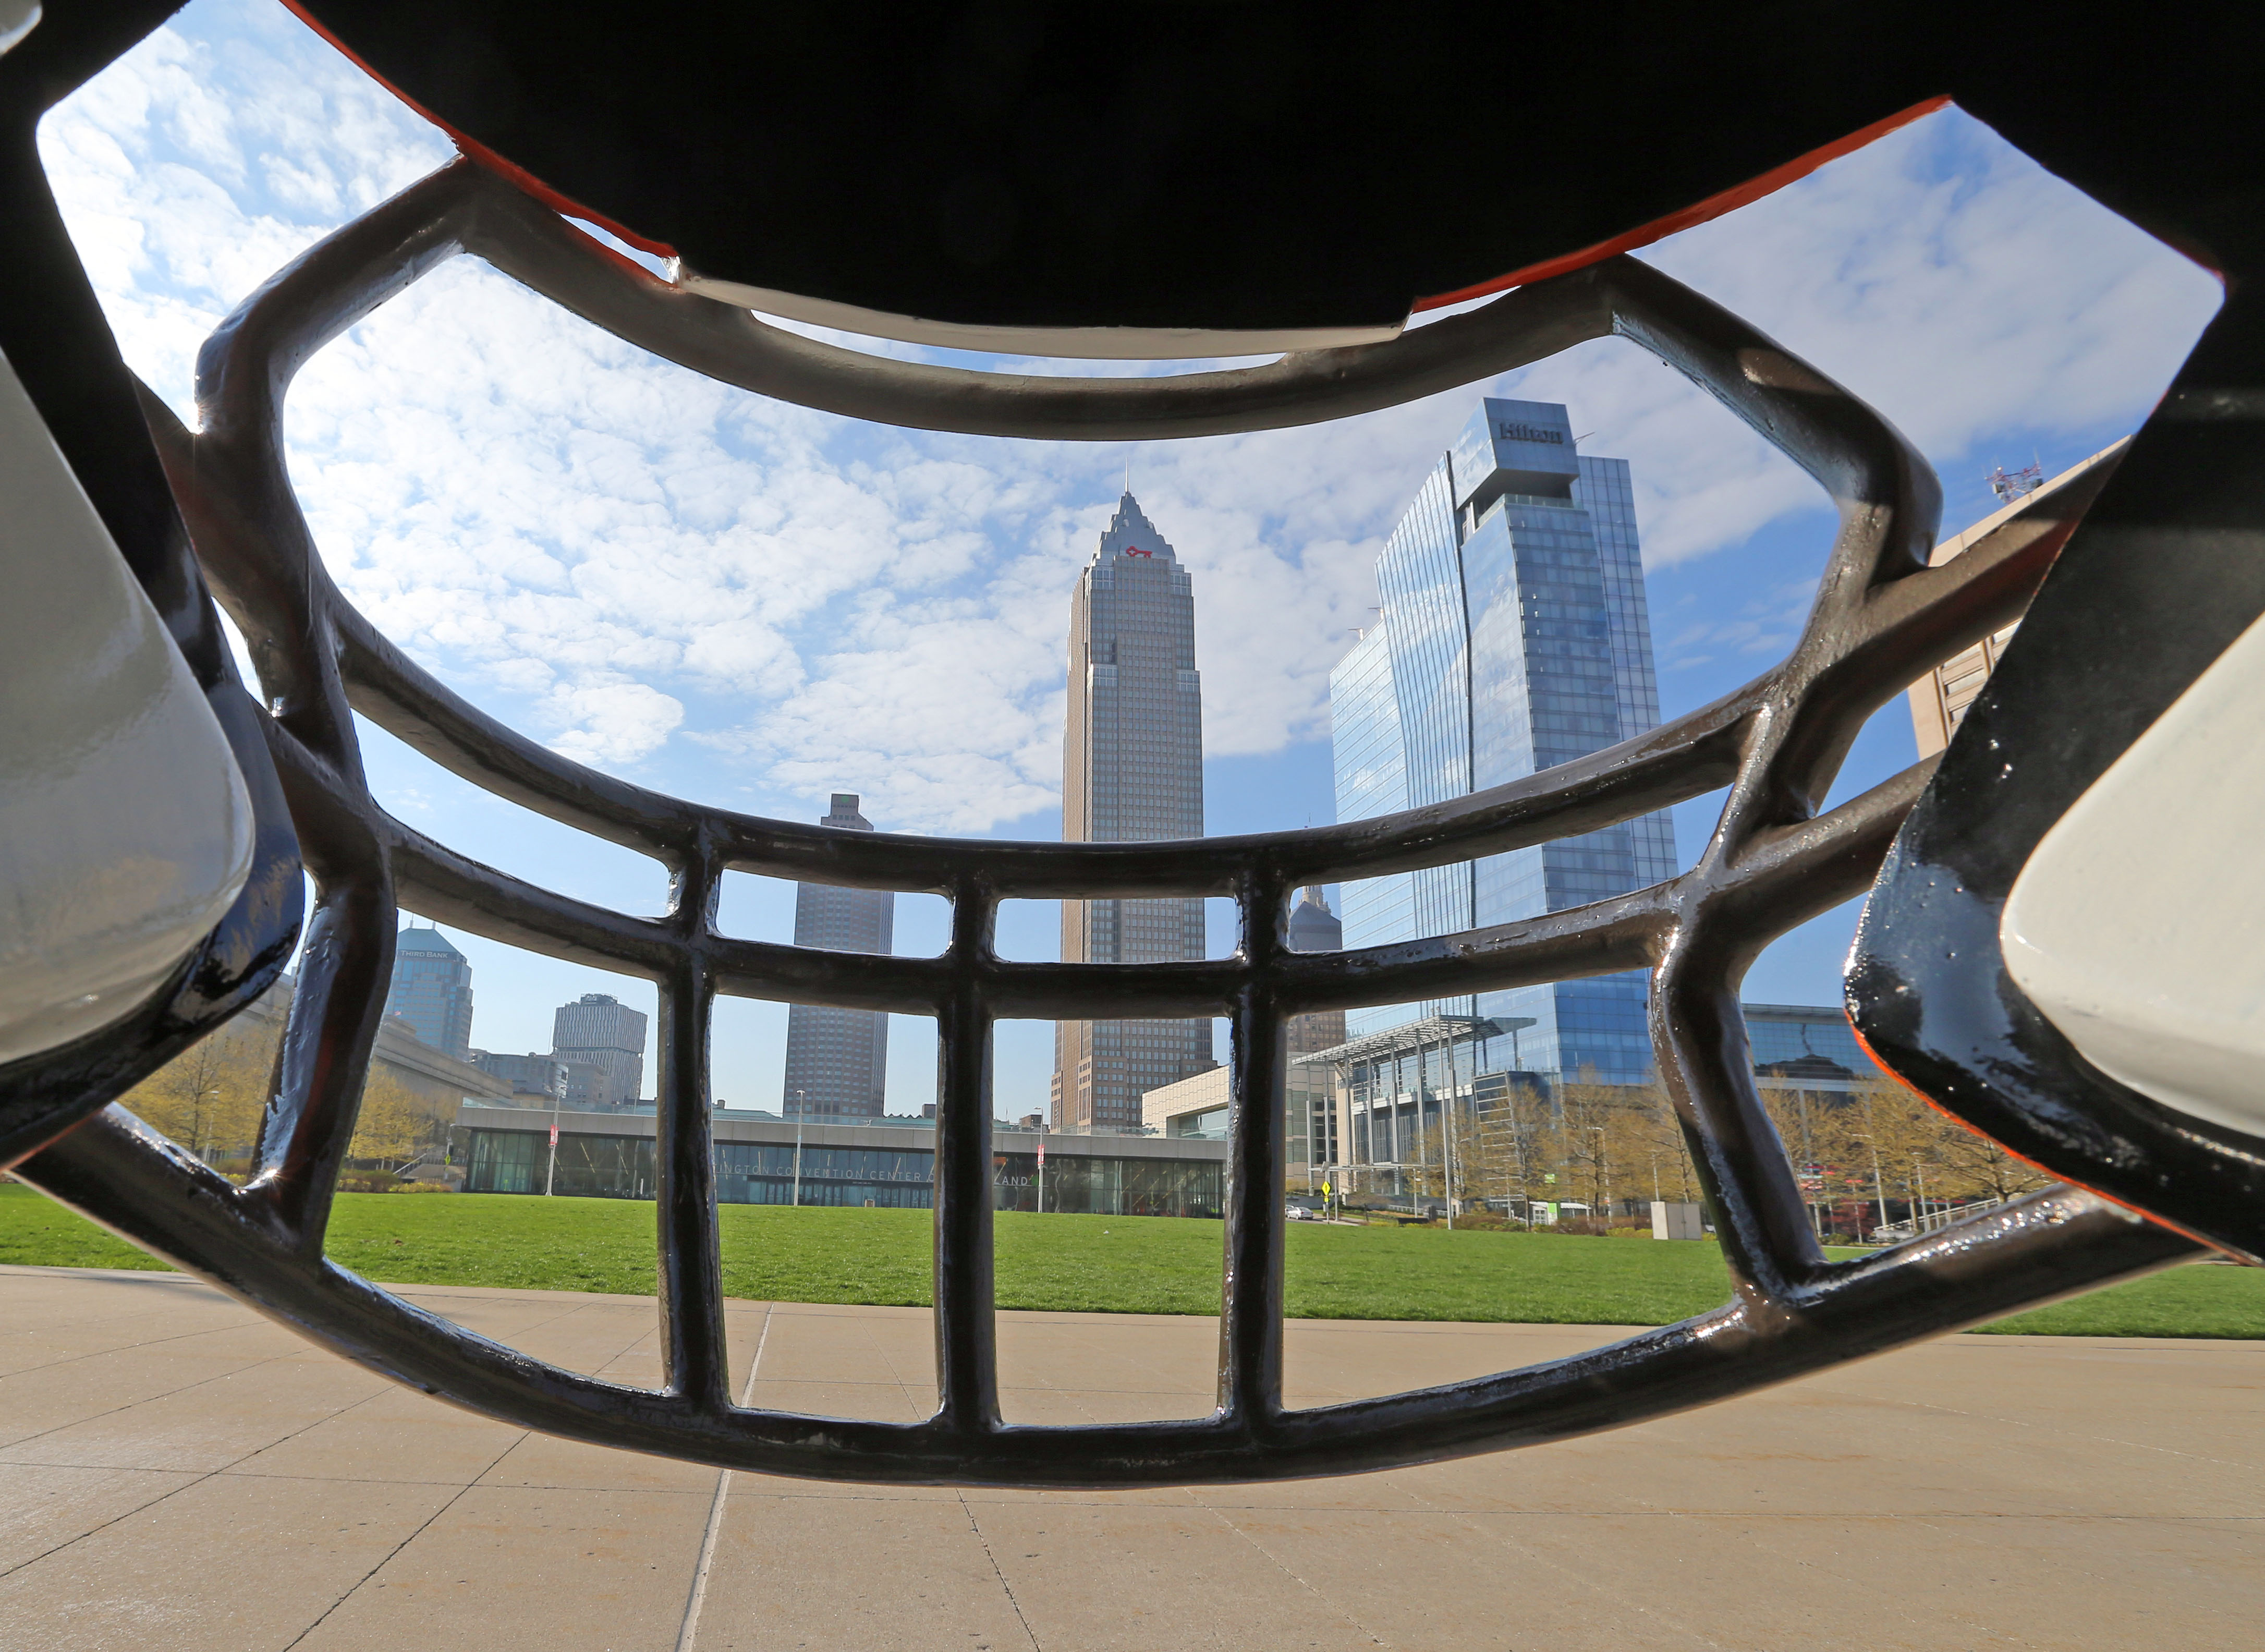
(885, 1178)
(588, 1167)
(1604, 490)
(1514, 637)
(763, 1173)
(432, 990)
(1109, 1187)
(1807, 1045)
(1372, 780)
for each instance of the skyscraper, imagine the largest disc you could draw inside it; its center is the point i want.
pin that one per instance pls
(1309, 1090)
(837, 1061)
(1514, 637)
(601, 1042)
(1132, 771)
(1314, 927)
(432, 990)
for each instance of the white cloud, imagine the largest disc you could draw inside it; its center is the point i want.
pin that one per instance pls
(612, 722)
(1965, 293)
(743, 600)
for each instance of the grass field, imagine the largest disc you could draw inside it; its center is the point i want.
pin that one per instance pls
(1104, 1263)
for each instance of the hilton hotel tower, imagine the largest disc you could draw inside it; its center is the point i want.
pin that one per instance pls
(1131, 770)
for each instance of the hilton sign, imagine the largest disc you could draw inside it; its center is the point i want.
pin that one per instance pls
(1506, 431)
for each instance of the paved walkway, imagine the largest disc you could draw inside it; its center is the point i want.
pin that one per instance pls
(177, 1473)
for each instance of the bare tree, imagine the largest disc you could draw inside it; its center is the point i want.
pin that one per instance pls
(395, 1122)
(209, 1097)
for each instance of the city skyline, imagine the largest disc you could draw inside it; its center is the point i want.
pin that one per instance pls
(1514, 635)
(837, 1061)
(784, 591)
(1132, 771)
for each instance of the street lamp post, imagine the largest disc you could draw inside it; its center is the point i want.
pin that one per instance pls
(1448, 1141)
(1602, 1186)
(1422, 1168)
(799, 1106)
(1879, 1183)
(1808, 1163)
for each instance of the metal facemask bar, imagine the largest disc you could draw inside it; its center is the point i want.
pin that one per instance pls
(1881, 618)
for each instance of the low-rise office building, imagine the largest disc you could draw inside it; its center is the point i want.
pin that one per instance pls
(1399, 1095)
(530, 1075)
(1193, 1109)
(1198, 1109)
(886, 1165)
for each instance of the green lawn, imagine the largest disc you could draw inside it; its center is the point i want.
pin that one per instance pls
(1106, 1263)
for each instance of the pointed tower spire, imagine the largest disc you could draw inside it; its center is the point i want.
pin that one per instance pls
(1131, 534)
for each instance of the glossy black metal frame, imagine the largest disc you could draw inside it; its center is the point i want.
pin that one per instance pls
(1880, 618)
(2153, 588)
(54, 335)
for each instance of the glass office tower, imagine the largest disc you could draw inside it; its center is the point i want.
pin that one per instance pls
(1131, 770)
(1513, 637)
(432, 989)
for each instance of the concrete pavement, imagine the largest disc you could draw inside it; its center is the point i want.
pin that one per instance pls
(176, 1472)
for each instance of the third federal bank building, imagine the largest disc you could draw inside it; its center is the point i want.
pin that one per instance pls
(1513, 636)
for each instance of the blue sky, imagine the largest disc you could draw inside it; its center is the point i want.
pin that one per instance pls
(755, 605)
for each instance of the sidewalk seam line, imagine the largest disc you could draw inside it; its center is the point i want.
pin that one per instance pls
(1005, 1588)
(422, 1526)
(688, 1631)
(198, 1479)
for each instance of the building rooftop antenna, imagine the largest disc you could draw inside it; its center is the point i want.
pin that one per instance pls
(2010, 485)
